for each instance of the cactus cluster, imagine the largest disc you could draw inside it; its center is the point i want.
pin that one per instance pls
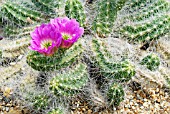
(57, 61)
(144, 20)
(75, 10)
(68, 72)
(151, 61)
(68, 84)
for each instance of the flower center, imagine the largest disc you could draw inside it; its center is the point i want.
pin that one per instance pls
(46, 43)
(65, 36)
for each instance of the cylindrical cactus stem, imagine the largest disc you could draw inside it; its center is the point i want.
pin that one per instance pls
(115, 94)
(144, 20)
(59, 60)
(123, 70)
(13, 32)
(47, 6)
(19, 14)
(74, 10)
(15, 48)
(104, 20)
(103, 59)
(40, 101)
(70, 83)
(151, 61)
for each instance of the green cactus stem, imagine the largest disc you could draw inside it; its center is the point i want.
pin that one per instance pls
(123, 70)
(57, 61)
(39, 101)
(15, 48)
(115, 94)
(151, 61)
(106, 15)
(70, 83)
(47, 6)
(13, 32)
(144, 20)
(74, 10)
(19, 14)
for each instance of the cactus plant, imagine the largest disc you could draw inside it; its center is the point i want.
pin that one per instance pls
(151, 61)
(59, 60)
(74, 9)
(115, 94)
(58, 71)
(144, 20)
(121, 70)
(68, 84)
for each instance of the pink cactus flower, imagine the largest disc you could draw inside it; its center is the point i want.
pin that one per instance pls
(46, 39)
(69, 29)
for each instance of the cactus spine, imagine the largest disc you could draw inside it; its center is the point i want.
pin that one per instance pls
(151, 61)
(74, 10)
(68, 84)
(115, 94)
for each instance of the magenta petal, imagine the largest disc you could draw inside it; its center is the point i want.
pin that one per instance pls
(68, 27)
(45, 39)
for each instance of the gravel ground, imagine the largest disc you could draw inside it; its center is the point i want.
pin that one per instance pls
(137, 101)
